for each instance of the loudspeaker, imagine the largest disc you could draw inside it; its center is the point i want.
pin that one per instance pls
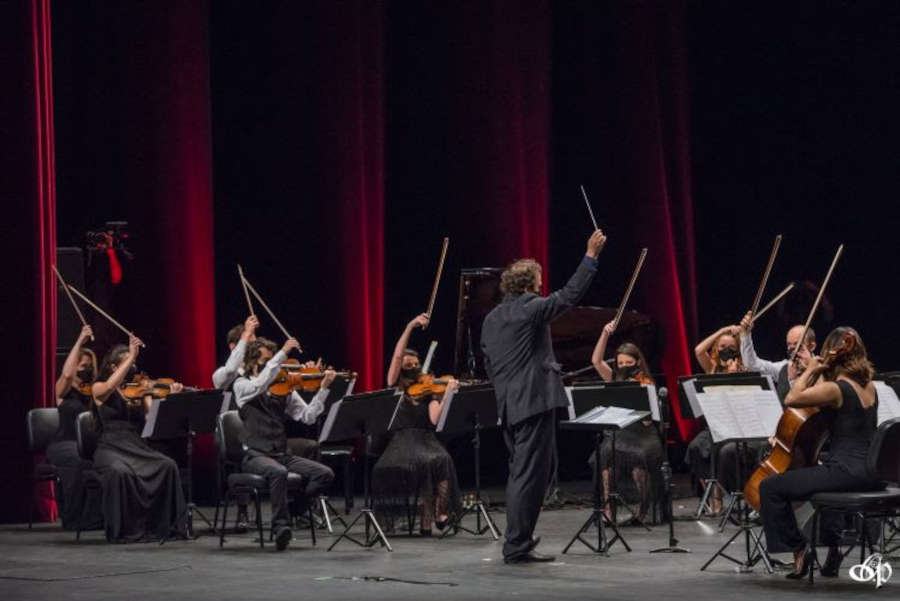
(70, 263)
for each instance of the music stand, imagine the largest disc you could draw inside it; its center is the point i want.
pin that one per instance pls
(626, 395)
(184, 415)
(339, 388)
(741, 415)
(688, 388)
(599, 420)
(355, 416)
(472, 408)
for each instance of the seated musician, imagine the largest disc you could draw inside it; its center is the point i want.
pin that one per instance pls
(73, 397)
(238, 338)
(142, 493)
(263, 414)
(415, 465)
(638, 452)
(783, 372)
(717, 354)
(844, 389)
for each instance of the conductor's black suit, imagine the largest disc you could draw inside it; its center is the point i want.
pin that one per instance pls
(519, 359)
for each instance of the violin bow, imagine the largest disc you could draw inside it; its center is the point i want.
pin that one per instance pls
(634, 277)
(765, 279)
(590, 210)
(65, 287)
(246, 293)
(268, 310)
(812, 312)
(772, 302)
(437, 278)
(109, 317)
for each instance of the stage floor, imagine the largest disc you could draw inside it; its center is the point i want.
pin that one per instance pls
(46, 563)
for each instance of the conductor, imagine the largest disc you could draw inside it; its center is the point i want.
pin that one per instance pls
(519, 359)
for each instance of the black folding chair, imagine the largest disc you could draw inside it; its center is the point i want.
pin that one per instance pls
(882, 463)
(41, 425)
(230, 450)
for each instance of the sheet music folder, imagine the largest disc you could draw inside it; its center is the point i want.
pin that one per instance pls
(169, 417)
(358, 414)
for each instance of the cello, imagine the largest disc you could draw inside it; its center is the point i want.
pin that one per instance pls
(801, 431)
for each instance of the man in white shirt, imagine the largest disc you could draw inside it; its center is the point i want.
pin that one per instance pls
(238, 338)
(783, 372)
(265, 442)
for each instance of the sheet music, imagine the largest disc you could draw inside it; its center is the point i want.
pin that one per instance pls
(329, 421)
(613, 416)
(570, 408)
(445, 411)
(150, 419)
(654, 402)
(740, 412)
(888, 402)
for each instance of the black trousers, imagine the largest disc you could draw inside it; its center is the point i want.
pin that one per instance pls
(532, 445)
(316, 479)
(777, 493)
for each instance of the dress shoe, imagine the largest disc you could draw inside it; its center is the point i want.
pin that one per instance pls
(283, 537)
(530, 557)
(805, 567)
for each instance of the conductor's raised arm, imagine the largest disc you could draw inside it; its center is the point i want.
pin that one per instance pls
(546, 309)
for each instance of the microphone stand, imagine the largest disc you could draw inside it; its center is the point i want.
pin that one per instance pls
(666, 470)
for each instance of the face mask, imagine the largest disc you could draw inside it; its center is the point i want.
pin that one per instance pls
(727, 354)
(411, 373)
(628, 372)
(85, 375)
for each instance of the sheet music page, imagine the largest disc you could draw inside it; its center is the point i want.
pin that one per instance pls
(445, 410)
(571, 407)
(719, 417)
(756, 412)
(654, 402)
(591, 416)
(888, 403)
(150, 420)
(329, 421)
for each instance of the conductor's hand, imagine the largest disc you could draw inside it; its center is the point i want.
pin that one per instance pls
(595, 244)
(747, 323)
(289, 345)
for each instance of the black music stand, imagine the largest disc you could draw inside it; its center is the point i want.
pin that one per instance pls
(665, 413)
(338, 389)
(472, 409)
(688, 387)
(362, 415)
(626, 395)
(184, 415)
(596, 422)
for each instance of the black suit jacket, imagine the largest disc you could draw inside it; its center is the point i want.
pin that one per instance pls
(518, 352)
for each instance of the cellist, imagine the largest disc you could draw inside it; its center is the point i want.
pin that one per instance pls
(843, 387)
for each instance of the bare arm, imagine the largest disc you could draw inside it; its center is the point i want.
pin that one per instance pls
(102, 390)
(701, 351)
(821, 394)
(402, 344)
(600, 365)
(67, 375)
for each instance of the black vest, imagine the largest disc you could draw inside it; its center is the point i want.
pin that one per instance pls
(263, 418)
(782, 384)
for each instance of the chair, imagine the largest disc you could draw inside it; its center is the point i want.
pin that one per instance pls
(41, 425)
(882, 463)
(230, 450)
(86, 436)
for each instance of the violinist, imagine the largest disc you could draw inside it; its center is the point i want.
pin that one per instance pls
(263, 413)
(142, 494)
(237, 339)
(415, 465)
(638, 452)
(718, 353)
(784, 372)
(840, 384)
(73, 397)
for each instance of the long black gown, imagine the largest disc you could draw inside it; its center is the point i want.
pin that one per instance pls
(63, 454)
(142, 494)
(412, 468)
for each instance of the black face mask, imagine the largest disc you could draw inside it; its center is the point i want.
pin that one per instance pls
(85, 375)
(411, 373)
(627, 372)
(727, 354)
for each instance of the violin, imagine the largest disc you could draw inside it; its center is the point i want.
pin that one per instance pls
(86, 389)
(294, 376)
(427, 384)
(142, 385)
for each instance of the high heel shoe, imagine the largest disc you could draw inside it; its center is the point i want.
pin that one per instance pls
(441, 524)
(832, 564)
(805, 567)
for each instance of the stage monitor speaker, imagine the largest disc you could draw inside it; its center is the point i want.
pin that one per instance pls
(70, 263)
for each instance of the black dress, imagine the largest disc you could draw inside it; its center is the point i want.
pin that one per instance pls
(637, 446)
(414, 468)
(142, 495)
(63, 454)
(843, 470)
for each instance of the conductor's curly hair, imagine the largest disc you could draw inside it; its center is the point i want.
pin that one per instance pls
(520, 277)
